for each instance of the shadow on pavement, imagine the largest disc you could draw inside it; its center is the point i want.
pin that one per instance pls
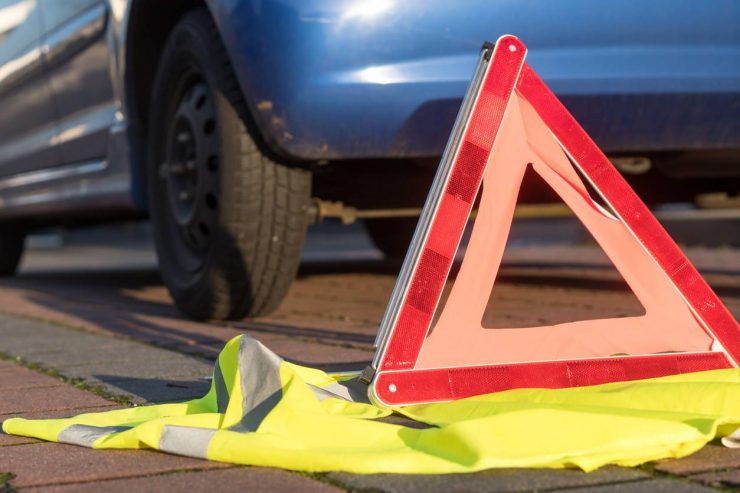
(155, 389)
(301, 331)
(314, 268)
(133, 303)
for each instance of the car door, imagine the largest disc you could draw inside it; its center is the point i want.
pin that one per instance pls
(27, 120)
(77, 56)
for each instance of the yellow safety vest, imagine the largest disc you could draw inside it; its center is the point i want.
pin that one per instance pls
(264, 411)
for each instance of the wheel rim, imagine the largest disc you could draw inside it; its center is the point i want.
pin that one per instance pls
(190, 170)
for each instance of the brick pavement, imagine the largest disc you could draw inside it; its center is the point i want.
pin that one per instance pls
(43, 466)
(40, 466)
(147, 353)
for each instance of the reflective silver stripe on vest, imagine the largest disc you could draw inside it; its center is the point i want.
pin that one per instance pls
(186, 440)
(222, 392)
(85, 435)
(322, 394)
(260, 383)
(350, 390)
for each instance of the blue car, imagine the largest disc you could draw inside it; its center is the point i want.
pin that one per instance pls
(233, 124)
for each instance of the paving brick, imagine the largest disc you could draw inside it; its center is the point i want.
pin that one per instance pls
(321, 355)
(7, 440)
(139, 372)
(297, 349)
(142, 390)
(175, 331)
(66, 413)
(293, 329)
(237, 479)
(727, 479)
(493, 481)
(649, 486)
(23, 378)
(347, 303)
(208, 350)
(77, 354)
(20, 336)
(709, 458)
(53, 463)
(154, 363)
(18, 401)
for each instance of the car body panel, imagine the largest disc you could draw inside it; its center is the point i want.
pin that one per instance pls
(359, 80)
(77, 57)
(372, 79)
(27, 120)
(89, 171)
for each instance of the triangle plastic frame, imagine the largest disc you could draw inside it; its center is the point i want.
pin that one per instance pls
(509, 121)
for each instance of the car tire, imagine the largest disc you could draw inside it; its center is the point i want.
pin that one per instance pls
(12, 241)
(393, 235)
(229, 222)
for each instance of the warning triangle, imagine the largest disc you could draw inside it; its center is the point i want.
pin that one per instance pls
(511, 122)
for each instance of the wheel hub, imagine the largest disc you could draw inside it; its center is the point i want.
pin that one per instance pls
(191, 179)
